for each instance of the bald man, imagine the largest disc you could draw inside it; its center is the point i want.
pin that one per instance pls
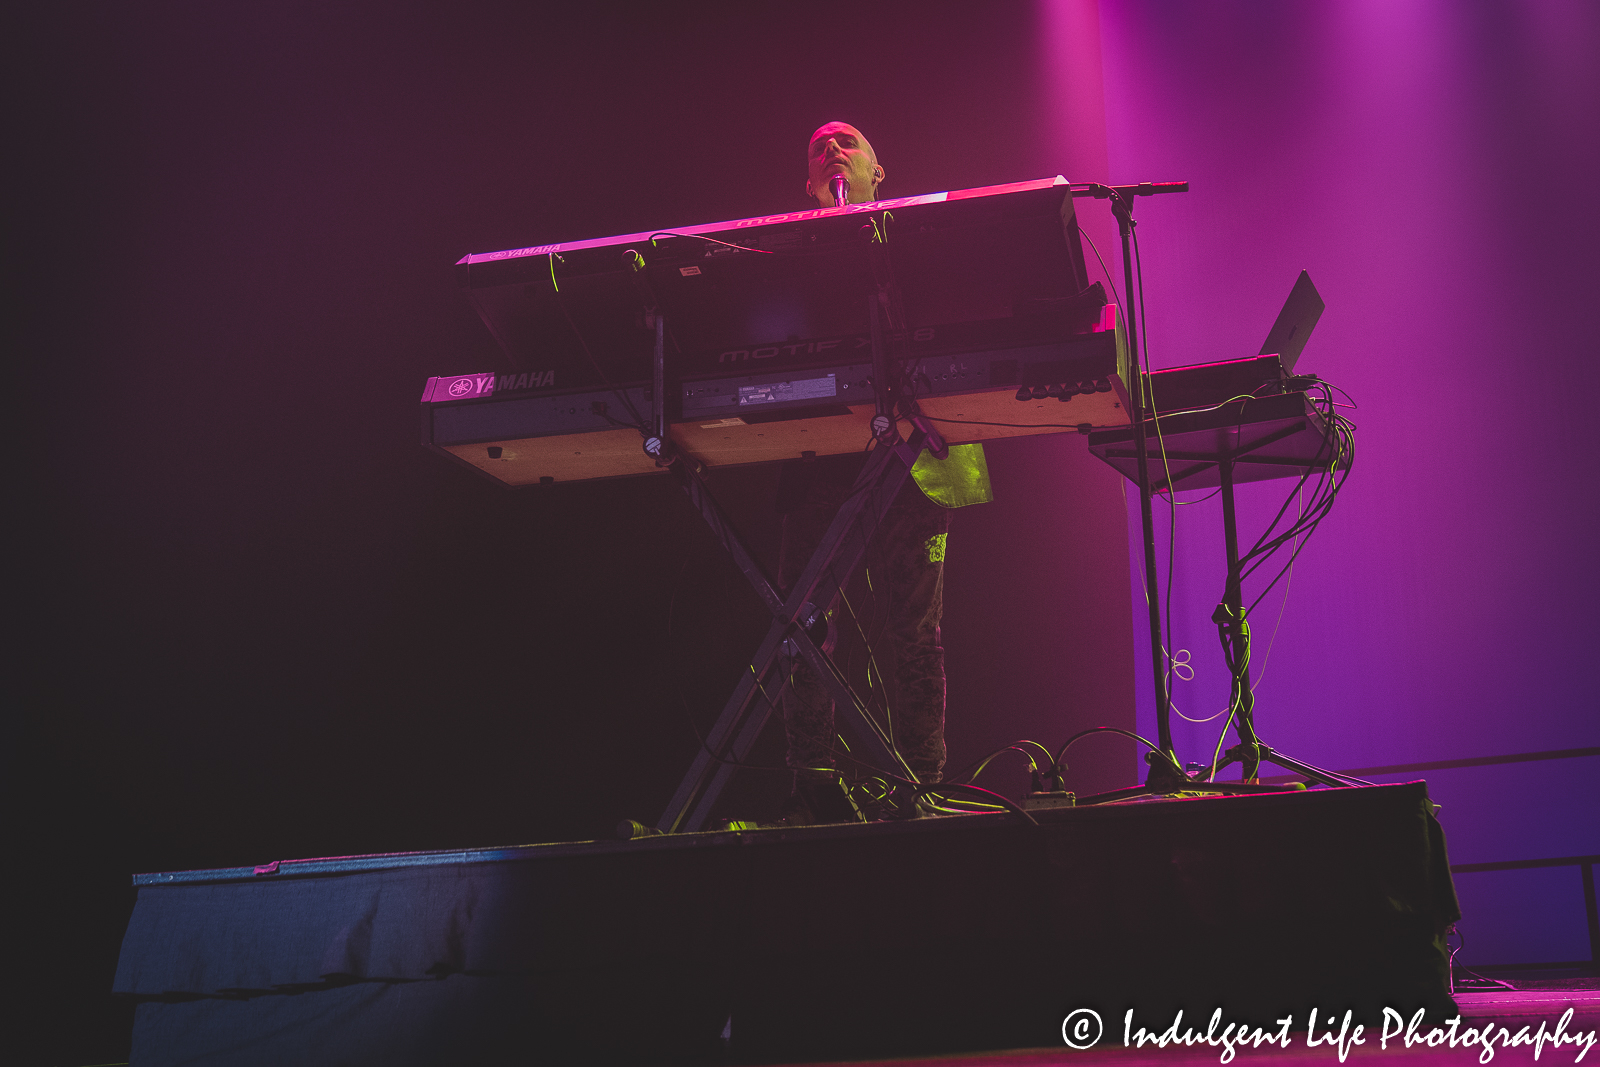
(839, 148)
(905, 560)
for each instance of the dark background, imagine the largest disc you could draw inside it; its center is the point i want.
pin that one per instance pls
(258, 620)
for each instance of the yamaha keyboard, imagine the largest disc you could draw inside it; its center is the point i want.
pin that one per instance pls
(768, 343)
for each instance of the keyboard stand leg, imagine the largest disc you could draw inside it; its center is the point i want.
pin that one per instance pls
(754, 698)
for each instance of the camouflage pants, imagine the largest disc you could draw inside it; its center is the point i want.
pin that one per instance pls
(906, 559)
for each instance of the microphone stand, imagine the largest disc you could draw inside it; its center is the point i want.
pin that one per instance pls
(1166, 773)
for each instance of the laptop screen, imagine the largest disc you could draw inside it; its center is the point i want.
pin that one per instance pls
(1295, 323)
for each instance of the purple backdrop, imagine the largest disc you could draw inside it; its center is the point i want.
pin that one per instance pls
(1426, 163)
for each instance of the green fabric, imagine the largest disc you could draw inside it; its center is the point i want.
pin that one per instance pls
(955, 482)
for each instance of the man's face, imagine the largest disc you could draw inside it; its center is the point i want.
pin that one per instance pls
(839, 148)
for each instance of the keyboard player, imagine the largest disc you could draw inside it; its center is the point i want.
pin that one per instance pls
(906, 558)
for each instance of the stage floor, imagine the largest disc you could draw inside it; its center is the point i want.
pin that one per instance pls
(936, 936)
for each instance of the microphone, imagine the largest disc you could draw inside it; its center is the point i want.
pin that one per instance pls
(839, 186)
(1105, 192)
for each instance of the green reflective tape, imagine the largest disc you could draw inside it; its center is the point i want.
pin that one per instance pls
(957, 481)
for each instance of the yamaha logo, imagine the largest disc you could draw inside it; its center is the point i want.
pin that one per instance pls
(461, 387)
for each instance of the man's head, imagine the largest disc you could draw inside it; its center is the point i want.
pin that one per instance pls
(839, 148)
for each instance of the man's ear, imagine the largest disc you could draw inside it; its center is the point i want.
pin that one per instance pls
(878, 174)
(810, 193)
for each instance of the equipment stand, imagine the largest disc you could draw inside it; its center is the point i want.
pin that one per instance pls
(1229, 617)
(1282, 428)
(1166, 775)
(798, 625)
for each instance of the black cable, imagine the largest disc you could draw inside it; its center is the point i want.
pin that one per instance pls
(1009, 804)
(1081, 734)
(1328, 480)
(871, 664)
(677, 686)
(1009, 425)
(983, 763)
(1299, 531)
(638, 421)
(1337, 446)
(864, 708)
(1216, 753)
(1116, 297)
(711, 240)
(1013, 746)
(1313, 467)
(1497, 983)
(1148, 394)
(880, 610)
(1300, 547)
(1264, 547)
(1323, 494)
(1334, 774)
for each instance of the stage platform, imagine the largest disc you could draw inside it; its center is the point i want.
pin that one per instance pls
(924, 937)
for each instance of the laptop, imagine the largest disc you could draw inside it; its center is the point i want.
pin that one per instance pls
(1298, 318)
